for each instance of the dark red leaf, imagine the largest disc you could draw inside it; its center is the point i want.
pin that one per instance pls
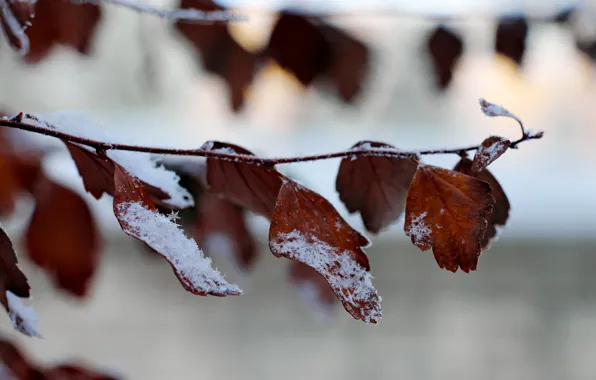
(220, 53)
(500, 212)
(254, 187)
(221, 227)
(62, 237)
(61, 22)
(75, 372)
(445, 48)
(306, 228)
(14, 362)
(375, 186)
(448, 211)
(139, 218)
(491, 149)
(510, 38)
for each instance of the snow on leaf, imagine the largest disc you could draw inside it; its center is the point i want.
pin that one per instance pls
(491, 149)
(305, 228)
(494, 110)
(254, 187)
(23, 318)
(140, 219)
(141, 165)
(375, 186)
(448, 211)
(62, 237)
(222, 225)
(500, 212)
(15, 17)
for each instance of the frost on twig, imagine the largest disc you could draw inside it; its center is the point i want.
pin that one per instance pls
(186, 15)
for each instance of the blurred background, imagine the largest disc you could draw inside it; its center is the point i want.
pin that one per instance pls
(528, 312)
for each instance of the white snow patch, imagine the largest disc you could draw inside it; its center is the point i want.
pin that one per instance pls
(141, 165)
(493, 110)
(166, 237)
(339, 268)
(14, 26)
(24, 318)
(418, 230)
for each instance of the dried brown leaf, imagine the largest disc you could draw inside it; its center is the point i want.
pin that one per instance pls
(305, 227)
(448, 211)
(221, 227)
(491, 149)
(510, 39)
(254, 187)
(375, 186)
(62, 237)
(445, 48)
(501, 209)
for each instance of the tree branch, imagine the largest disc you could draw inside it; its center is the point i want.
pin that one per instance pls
(47, 129)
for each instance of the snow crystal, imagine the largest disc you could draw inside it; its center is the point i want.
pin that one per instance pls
(346, 277)
(166, 237)
(142, 165)
(418, 230)
(6, 373)
(24, 318)
(493, 110)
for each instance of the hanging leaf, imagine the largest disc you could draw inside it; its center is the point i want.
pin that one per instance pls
(375, 186)
(306, 228)
(220, 53)
(62, 237)
(448, 211)
(445, 48)
(500, 212)
(139, 218)
(61, 22)
(511, 38)
(14, 19)
(491, 149)
(254, 187)
(221, 228)
(313, 288)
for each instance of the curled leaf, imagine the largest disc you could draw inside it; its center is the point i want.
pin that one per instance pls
(448, 211)
(251, 186)
(510, 39)
(376, 186)
(140, 219)
(62, 237)
(500, 212)
(491, 149)
(445, 48)
(305, 227)
(221, 228)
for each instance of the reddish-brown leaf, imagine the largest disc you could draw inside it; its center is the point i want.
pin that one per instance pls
(310, 48)
(139, 218)
(254, 187)
(221, 228)
(305, 227)
(445, 48)
(510, 39)
(61, 22)
(220, 53)
(375, 186)
(97, 172)
(9, 186)
(75, 372)
(500, 212)
(491, 149)
(15, 362)
(14, 18)
(11, 277)
(62, 237)
(448, 211)
(312, 287)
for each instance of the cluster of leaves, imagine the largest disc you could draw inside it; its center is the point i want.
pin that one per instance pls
(15, 366)
(453, 212)
(308, 47)
(445, 45)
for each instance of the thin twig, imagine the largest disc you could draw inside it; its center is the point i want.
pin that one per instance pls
(49, 130)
